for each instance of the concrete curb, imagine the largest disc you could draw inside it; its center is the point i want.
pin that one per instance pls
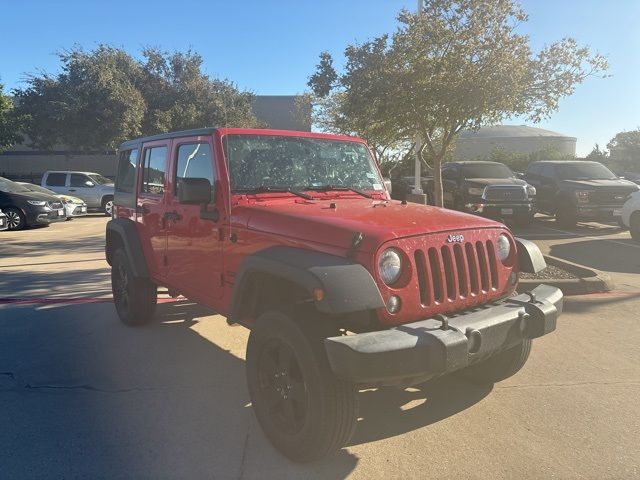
(589, 281)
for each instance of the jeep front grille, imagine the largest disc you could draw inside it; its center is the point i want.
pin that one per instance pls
(456, 271)
(505, 193)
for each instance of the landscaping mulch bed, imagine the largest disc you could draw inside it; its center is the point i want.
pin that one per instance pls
(550, 273)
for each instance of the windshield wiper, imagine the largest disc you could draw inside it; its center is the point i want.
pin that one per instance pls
(326, 188)
(266, 188)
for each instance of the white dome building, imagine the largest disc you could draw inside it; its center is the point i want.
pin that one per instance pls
(472, 145)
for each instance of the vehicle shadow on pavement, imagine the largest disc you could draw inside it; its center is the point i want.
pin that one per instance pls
(87, 397)
(612, 258)
(37, 283)
(387, 412)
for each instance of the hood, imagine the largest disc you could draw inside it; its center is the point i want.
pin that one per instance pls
(495, 181)
(615, 184)
(25, 196)
(378, 220)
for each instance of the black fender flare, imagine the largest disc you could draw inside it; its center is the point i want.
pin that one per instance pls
(530, 258)
(348, 286)
(124, 231)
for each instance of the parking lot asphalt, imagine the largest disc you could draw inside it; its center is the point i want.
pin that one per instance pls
(82, 396)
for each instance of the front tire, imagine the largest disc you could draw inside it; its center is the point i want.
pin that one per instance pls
(500, 366)
(15, 218)
(135, 298)
(567, 216)
(305, 411)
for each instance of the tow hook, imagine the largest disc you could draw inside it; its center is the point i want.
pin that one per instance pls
(539, 317)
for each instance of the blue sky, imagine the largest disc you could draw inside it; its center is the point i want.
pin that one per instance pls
(271, 47)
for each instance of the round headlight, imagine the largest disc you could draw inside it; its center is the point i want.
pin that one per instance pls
(503, 248)
(390, 266)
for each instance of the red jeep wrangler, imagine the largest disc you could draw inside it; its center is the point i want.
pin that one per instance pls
(293, 235)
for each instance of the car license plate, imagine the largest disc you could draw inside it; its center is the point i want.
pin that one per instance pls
(507, 211)
(617, 212)
(60, 213)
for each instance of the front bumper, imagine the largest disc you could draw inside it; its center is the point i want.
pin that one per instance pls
(75, 210)
(3, 222)
(415, 352)
(598, 211)
(47, 216)
(500, 209)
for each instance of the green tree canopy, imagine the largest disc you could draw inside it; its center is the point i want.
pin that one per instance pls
(459, 64)
(105, 96)
(624, 151)
(10, 123)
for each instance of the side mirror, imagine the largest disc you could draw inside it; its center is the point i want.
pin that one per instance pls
(198, 191)
(387, 183)
(194, 191)
(520, 175)
(89, 183)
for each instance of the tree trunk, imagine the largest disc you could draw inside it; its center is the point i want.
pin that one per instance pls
(437, 181)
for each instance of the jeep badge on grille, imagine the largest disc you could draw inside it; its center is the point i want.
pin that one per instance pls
(455, 239)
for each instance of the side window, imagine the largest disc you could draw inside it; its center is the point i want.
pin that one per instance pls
(127, 169)
(194, 161)
(56, 179)
(548, 170)
(155, 166)
(80, 180)
(450, 173)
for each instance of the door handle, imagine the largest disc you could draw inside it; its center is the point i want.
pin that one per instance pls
(72, 189)
(174, 216)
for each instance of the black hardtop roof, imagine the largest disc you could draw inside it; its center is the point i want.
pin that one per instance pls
(162, 136)
(474, 162)
(562, 162)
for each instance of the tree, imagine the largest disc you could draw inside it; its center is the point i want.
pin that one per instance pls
(458, 64)
(10, 123)
(624, 150)
(597, 154)
(105, 96)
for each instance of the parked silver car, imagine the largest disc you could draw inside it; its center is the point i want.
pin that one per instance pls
(93, 188)
(73, 206)
(4, 225)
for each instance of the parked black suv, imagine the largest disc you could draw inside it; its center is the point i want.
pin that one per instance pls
(574, 190)
(489, 189)
(24, 208)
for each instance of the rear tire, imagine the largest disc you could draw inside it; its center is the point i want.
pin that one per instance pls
(306, 412)
(500, 366)
(135, 298)
(634, 226)
(107, 205)
(15, 218)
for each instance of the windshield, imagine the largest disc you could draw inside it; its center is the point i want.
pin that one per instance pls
(487, 170)
(296, 163)
(99, 179)
(585, 171)
(11, 187)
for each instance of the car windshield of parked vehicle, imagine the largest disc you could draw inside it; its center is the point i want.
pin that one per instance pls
(487, 170)
(8, 186)
(585, 171)
(267, 162)
(99, 179)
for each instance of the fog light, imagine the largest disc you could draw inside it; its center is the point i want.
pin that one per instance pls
(393, 304)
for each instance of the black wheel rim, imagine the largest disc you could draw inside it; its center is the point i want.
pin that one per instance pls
(13, 219)
(282, 387)
(121, 287)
